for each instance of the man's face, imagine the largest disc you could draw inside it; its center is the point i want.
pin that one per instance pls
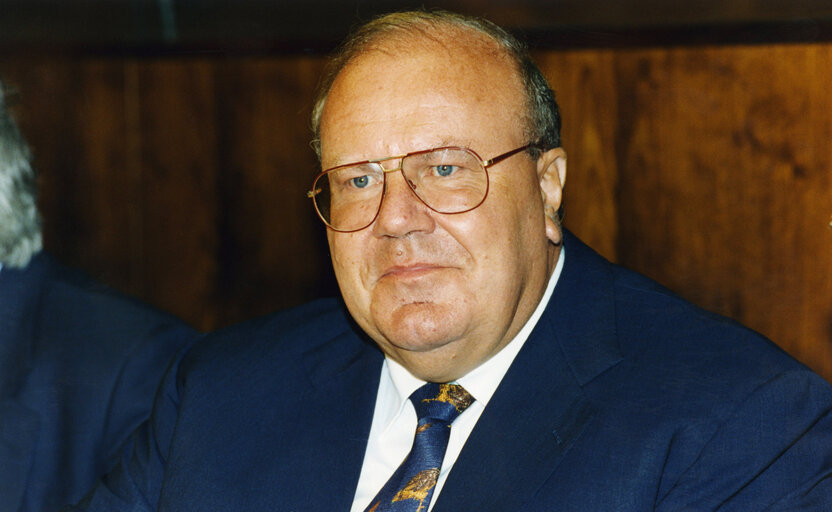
(438, 293)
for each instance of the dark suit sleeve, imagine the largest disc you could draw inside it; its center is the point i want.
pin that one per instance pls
(772, 453)
(135, 483)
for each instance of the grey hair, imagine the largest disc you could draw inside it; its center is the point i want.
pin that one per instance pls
(543, 115)
(20, 234)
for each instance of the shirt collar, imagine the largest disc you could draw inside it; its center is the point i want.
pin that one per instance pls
(482, 381)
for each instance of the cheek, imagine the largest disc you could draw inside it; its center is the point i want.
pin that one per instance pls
(511, 235)
(348, 261)
(503, 226)
(345, 248)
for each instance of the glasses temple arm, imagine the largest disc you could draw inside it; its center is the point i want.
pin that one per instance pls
(500, 158)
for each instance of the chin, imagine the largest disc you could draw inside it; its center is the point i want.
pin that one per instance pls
(422, 326)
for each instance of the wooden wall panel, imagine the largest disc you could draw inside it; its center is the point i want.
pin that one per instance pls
(273, 251)
(174, 139)
(127, 174)
(182, 180)
(725, 184)
(585, 88)
(73, 116)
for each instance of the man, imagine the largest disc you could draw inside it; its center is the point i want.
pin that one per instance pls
(79, 365)
(568, 383)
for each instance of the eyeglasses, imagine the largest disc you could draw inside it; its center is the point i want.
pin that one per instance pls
(447, 180)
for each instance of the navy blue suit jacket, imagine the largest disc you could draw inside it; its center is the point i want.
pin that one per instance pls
(624, 398)
(79, 366)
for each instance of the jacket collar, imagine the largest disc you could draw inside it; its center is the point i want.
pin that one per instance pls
(582, 312)
(344, 375)
(540, 408)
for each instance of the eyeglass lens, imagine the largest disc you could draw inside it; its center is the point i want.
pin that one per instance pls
(447, 180)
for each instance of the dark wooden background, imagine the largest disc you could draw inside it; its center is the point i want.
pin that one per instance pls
(178, 173)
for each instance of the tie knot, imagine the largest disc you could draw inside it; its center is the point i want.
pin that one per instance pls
(442, 402)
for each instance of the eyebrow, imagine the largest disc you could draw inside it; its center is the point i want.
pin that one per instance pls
(439, 143)
(445, 142)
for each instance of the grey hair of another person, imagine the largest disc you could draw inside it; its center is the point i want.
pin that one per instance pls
(20, 233)
(542, 116)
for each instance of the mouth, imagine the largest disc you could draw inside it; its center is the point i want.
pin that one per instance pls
(412, 271)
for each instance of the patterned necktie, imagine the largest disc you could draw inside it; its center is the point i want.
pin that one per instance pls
(411, 486)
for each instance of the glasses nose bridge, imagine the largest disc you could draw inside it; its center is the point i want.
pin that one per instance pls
(380, 162)
(409, 186)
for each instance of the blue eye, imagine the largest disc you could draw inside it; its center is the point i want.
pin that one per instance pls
(360, 181)
(445, 170)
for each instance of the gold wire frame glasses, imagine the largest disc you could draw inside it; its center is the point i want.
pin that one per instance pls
(447, 180)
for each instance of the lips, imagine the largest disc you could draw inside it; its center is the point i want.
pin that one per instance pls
(411, 271)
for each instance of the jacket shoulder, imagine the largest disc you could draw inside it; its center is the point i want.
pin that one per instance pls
(276, 338)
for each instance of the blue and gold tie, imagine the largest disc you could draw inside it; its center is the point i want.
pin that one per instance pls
(411, 486)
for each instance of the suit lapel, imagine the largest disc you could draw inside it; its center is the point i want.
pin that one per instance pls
(521, 436)
(539, 409)
(345, 372)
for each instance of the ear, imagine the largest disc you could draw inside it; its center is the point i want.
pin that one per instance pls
(551, 173)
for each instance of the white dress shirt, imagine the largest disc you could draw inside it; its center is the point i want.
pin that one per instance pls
(395, 421)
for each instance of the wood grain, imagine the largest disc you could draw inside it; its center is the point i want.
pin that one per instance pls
(171, 105)
(585, 88)
(725, 178)
(182, 180)
(273, 252)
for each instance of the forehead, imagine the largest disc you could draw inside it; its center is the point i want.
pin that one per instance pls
(411, 93)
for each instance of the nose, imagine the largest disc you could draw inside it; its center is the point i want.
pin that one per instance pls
(401, 212)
